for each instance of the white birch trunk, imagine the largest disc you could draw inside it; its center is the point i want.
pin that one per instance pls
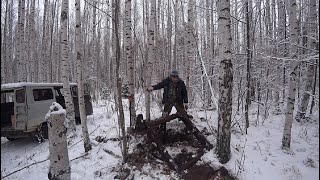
(9, 73)
(82, 110)
(20, 73)
(151, 55)
(65, 64)
(225, 81)
(169, 36)
(129, 54)
(190, 43)
(113, 58)
(32, 42)
(4, 53)
(121, 119)
(43, 68)
(301, 113)
(59, 158)
(293, 25)
(93, 59)
(174, 63)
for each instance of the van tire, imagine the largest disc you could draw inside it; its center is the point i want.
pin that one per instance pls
(44, 130)
(11, 139)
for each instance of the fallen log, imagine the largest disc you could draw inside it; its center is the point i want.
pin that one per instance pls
(190, 126)
(158, 150)
(159, 121)
(192, 162)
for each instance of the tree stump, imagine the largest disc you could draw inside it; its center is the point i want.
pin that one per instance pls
(59, 158)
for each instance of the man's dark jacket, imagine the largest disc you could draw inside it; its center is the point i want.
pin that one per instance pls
(181, 90)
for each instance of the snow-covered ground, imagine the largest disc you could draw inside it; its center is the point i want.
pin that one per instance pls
(257, 155)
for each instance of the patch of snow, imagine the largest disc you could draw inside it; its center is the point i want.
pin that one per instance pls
(257, 155)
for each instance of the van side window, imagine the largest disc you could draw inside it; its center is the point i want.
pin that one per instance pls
(20, 96)
(42, 94)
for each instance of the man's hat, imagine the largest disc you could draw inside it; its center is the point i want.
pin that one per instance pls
(174, 73)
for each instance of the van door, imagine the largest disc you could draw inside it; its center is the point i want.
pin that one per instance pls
(20, 109)
(39, 101)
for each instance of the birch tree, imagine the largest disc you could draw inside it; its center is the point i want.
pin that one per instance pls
(4, 46)
(190, 43)
(129, 54)
(293, 25)
(32, 43)
(119, 84)
(225, 81)
(151, 55)
(59, 158)
(43, 67)
(312, 64)
(20, 72)
(65, 64)
(248, 38)
(82, 109)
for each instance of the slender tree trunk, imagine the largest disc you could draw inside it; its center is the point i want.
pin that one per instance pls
(169, 36)
(225, 81)
(301, 113)
(82, 109)
(293, 25)
(113, 61)
(314, 87)
(248, 36)
(93, 59)
(119, 86)
(10, 74)
(151, 55)
(20, 60)
(174, 63)
(43, 68)
(65, 64)
(190, 43)
(129, 54)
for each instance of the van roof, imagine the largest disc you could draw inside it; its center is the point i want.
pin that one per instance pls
(30, 84)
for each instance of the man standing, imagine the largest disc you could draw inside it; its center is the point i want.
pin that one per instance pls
(174, 94)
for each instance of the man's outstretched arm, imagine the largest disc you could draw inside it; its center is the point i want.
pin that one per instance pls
(158, 86)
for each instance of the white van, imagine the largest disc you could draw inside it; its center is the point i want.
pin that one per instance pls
(24, 106)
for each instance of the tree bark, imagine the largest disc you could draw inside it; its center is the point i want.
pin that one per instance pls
(65, 64)
(151, 55)
(121, 119)
(225, 82)
(302, 109)
(43, 68)
(293, 25)
(59, 158)
(129, 54)
(248, 38)
(190, 43)
(20, 60)
(82, 110)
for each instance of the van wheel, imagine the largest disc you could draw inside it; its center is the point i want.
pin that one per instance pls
(44, 131)
(11, 139)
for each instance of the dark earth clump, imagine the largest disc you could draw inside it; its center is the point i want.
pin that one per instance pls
(191, 143)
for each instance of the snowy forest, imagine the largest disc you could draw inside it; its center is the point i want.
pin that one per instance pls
(250, 70)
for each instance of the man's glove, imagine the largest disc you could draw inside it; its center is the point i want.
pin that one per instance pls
(150, 88)
(186, 106)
